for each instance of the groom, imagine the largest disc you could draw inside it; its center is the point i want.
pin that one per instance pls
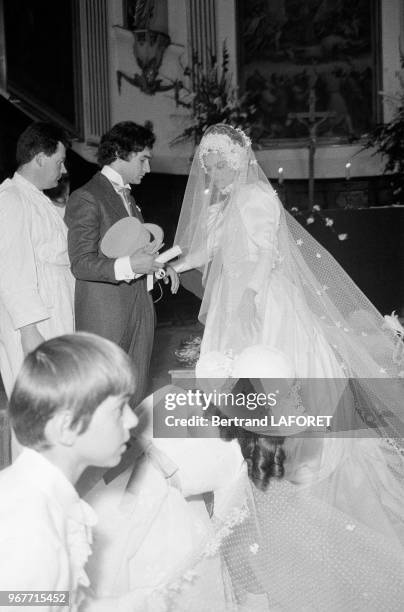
(110, 298)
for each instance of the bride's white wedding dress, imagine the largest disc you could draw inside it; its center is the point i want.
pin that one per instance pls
(328, 536)
(244, 237)
(267, 282)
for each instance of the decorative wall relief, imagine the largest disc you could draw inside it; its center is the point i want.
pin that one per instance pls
(148, 22)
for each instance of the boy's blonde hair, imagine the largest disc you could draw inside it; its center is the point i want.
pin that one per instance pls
(75, 372)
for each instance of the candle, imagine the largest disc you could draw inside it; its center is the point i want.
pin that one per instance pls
(280, 176)
(348, 171)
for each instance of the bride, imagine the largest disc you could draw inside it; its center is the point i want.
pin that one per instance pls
(266, 280)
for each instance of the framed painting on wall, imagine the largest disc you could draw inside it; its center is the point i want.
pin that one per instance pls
(289, 48)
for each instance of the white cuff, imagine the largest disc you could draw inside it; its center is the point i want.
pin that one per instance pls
(123, 270)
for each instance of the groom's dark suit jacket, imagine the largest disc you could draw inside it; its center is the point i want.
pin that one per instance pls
(120, 311)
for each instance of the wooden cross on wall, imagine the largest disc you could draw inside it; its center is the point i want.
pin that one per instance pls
(312, 120)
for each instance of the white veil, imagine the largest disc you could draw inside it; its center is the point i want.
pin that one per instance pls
(241, 237)
(330, 535)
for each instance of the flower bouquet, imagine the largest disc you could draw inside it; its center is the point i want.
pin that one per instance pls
(187, 354)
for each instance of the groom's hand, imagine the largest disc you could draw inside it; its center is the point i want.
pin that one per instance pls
(143, 262)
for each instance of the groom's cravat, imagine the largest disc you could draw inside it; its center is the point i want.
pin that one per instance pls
(126, 195)
(124, 192)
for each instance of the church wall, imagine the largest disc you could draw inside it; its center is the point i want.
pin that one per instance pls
(169, 120)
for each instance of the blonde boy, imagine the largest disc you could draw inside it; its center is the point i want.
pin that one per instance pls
(69, 409)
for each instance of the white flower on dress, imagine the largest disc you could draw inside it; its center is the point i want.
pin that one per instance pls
(392, 322)
(329, 222)
(342, 236)
(299, 242)
(254, 548)
(309, 220)
(190, 575)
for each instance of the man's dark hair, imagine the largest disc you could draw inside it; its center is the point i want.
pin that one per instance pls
(123, 139)
(39, 137)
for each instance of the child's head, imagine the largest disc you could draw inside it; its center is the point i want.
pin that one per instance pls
(75, 388)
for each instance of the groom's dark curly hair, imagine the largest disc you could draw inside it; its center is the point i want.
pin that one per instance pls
(123, 139)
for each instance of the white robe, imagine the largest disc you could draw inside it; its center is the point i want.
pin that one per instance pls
(36, 285)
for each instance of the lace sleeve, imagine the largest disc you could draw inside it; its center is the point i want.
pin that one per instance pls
(197, 259)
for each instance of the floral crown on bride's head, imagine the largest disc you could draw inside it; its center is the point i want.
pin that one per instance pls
(223, 144)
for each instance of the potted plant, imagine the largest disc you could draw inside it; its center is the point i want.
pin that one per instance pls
(388, 140)
(212, 98)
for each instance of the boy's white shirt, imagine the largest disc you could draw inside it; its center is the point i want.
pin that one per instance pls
(45, 529)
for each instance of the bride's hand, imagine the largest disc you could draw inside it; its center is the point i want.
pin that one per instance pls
(248, 314)
(173, 277)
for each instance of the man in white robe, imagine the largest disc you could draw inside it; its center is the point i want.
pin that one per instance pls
(36, 285)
